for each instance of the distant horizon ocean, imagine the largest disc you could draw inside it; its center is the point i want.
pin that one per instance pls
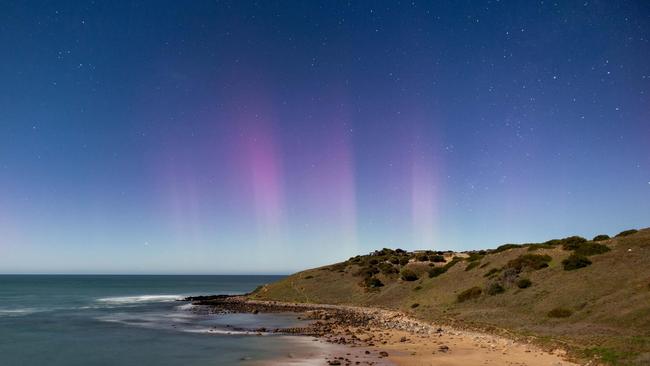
(129, 320)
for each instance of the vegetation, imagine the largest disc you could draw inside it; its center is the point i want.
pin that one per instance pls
(505, 247)
(472, 265)
(408, 275)
(524, 283)
(572, 242)
(469, 294)
(529, 261)
(492, 272)
(627, 232)
(438, 258)
(575, 261)
(373, 282)
(560, 313)
(591, 248)
(414, 305)
(601, 237)
(495, 288)
(437, 271)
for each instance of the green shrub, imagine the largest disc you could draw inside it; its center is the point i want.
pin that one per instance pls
(492, 272)
(591, 248)
(505, 247)
(403, 261)
(414, 305)
(524, 283)
(559, 313)
(495, 289)
(417, 288)
(533, 247)
(436, 271)
(387, 268)
(422, 257)
(575, 261)
(469, 294)
(309, 277)
(529, 261)
(438, 258)
(572, 242)
(408, 275)
(472, 265)
(601, 237)
(394, 260)
(627, 232)
(474, 257)
(373, 282)
(367, 271)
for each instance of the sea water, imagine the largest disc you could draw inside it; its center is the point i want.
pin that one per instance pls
(133, 320)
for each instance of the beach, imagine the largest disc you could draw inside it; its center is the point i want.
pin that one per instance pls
(372, 336)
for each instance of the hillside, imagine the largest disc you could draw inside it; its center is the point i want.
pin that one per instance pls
(591, 296)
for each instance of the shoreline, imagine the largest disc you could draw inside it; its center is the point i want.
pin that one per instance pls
(374, 336)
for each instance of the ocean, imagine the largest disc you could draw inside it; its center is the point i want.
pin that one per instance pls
(68, 320)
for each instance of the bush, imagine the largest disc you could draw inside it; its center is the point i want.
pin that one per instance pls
(533, 247)
(403, 261)
(524, 283)
(373, 282)
(436, 271)
(572, 242)
(472, 265)
(438, 258)
(408, 275)
(495, 289)
(491, 272)
(575, 261)
(531, 261)
(422, 257)
(417, 288)
(559, 313)
(627, 232)
(367, 271)
(414, 305)
(309, 277)
(474, 257)
(469, 294)
(387, 268)
(591, 248)
(601, 237)
(505, 247)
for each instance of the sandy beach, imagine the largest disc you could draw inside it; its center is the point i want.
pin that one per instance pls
(369, 336)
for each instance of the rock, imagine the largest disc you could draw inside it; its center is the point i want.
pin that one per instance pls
(334, 362)
(383, 354)
(443, 348)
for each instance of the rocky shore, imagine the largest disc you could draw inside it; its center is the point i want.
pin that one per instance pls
(378, 335)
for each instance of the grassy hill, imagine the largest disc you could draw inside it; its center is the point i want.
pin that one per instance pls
(593, 296)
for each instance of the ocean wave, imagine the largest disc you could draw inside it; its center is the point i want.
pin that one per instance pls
(19, 312)
(139, 299)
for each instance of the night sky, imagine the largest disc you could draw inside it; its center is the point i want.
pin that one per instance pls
(271, 136)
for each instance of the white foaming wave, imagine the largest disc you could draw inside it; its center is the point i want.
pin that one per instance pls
(219, 331)
(120, 300)
(19, 312)
(186, 307)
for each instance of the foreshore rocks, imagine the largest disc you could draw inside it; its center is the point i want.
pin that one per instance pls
(349, 325)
